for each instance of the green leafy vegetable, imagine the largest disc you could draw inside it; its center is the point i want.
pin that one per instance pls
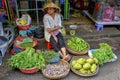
(26, 44)
(48, 55)
(104, 53)
(27, 59)
(77, 44)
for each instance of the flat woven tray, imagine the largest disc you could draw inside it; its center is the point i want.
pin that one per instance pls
(20, 38)
(65, 73)
(78, 72)
(77, 52)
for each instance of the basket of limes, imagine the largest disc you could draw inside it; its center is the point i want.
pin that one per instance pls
(84, 66)
(77, 46)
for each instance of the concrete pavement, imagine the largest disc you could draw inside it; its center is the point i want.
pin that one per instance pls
(109, 71)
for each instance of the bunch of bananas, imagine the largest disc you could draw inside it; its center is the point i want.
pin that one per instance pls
(22, 21)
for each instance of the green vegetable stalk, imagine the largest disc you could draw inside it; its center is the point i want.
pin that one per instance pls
(27, 59)
(104, 53)
(48, 55)
(77, 44)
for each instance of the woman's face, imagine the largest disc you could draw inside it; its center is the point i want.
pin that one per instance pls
(50, 10)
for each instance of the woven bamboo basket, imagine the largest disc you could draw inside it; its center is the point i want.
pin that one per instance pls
(78, 72)
(77, 52)
(65, 73)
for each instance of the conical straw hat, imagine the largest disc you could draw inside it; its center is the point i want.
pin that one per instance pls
(51, 5)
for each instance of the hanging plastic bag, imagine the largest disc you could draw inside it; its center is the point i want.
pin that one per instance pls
(117, 14)
(98, 11)
(24, 22)
(108, 14)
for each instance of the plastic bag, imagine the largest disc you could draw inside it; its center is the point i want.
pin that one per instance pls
(26, 17)
(117, 14)
(108, 14)
(39, 33)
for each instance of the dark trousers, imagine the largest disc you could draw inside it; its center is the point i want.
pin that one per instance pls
(57, 45)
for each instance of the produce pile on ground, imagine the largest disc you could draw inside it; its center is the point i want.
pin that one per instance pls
(26, 44)
(104, 53)
(85, 65)
(49, 55)
(28, 58)
(22, 21)
(77, 44)
(56, 69)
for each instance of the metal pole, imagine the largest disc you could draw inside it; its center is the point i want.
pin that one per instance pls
(37, 12)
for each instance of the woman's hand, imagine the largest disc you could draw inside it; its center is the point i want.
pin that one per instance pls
(57, 27)
(49, 30)
(56, 39)
(53, 29)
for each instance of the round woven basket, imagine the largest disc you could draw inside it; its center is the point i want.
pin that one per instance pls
(20, 38)
(77, 52)
(29, 70)
(78, 72)
(60, 75)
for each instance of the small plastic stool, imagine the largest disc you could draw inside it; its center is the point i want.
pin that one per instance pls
(99, 27)
(49, 46)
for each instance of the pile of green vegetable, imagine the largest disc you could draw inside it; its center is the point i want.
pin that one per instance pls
(104, 53)
(77, 44)
(28, 58)
(48, 55)
(26, 44)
